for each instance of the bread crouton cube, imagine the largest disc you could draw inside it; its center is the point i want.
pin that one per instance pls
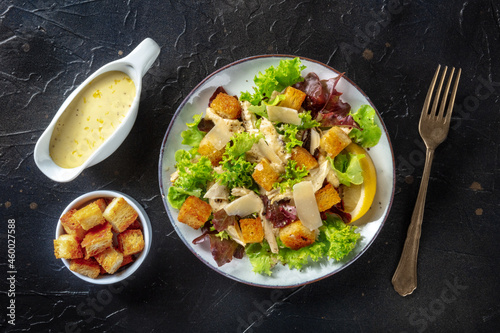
(130, 242)
(89, 216)
(127, 260)
(135, 225)
(264, 175)
(72, 226)
(68, 247)
(110, 259)
(334, 141)
(226, 106)
(293, 98)
(194, 212)
(87, 267)
(120, 214)
(296, 235)
(303, 158)
(97, 240)
(206, 148)
(102, 204)
(252, 230)
(326, 197)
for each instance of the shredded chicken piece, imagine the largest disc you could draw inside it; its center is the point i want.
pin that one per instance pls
(217, 204)
(331, 176)
(269, 233)
(216, 191)
(248, 118)
(273, 140)
(276, 195)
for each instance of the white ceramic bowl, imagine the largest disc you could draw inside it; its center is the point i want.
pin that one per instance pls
(135, 65)
(238, 77)
(124, 272)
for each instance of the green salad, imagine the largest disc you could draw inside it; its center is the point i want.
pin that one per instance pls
(278, 173)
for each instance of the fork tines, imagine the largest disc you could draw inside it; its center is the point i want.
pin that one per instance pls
(444, 101)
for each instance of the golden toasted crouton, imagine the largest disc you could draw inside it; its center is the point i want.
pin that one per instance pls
(127, 260)
(67, 247)
(120, 214)
(296, 235)
(102, 204)
(334, 141)
(130, 242)
(194, 212)
(206, 148)
(327, 197)
(72, 226)
(89, 216)
(264, 175)
(97, 240)
(226, 106)
(85, 267)
(252, 230)
(303, 158)
(293, 98)
(110, 259)
(136, 225)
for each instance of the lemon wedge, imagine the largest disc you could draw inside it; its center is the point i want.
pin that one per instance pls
(359, 198)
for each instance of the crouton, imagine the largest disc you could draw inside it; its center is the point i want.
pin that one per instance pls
(130, 242)
(87, 267)
(72, 226)
(327, 197)
(110, 259)
(68, 247)
(296, 235)
(264, 175)
(97, 240)
(89, 216)
(120, 214)
(252, 230)
(136, 225)
(293, 98)
(102, 204)
(226, 106)
(206, 148)
(334, 141)
(303, 158)
(127, 260)
(194, 212)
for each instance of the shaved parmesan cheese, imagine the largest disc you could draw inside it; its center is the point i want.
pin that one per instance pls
(219, 135)
(245, 205)
(217, 191)
(235, 233)
(307, 208)
(315, 140)
(268, 152)
(283, 115)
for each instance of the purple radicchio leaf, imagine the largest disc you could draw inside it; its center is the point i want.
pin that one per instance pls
(222, 250)
(221, 220)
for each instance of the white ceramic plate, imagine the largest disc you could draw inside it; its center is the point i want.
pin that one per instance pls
(238, 77)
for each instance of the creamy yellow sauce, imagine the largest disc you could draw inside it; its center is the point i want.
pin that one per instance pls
(91, 118)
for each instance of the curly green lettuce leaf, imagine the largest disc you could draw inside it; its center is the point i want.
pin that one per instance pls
(261, 257)
(259, 110)
(340, 238)
(306, 121)
(193, 177)
(293, 175)
(290, 131)
(297, 259)
(237, 171)
(370, 133)
(274, 79)
(348, 168)
(193, 136)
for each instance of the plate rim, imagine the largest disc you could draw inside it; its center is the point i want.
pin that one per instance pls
(164, 198)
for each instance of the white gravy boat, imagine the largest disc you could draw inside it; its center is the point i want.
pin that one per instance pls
(135, 65)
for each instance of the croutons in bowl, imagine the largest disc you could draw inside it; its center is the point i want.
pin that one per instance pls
(103, 237)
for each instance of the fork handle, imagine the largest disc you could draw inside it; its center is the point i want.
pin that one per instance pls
(405, 276)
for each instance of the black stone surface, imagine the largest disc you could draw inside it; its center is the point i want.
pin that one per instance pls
(389, 48)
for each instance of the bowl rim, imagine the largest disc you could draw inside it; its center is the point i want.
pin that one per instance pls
(177, 113)
(146, 229)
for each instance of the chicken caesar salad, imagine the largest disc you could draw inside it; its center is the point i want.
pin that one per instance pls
(279, 173)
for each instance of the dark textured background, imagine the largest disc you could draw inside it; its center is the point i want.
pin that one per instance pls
(389, 48)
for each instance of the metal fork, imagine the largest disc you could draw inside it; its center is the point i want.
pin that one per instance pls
(433, 128)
